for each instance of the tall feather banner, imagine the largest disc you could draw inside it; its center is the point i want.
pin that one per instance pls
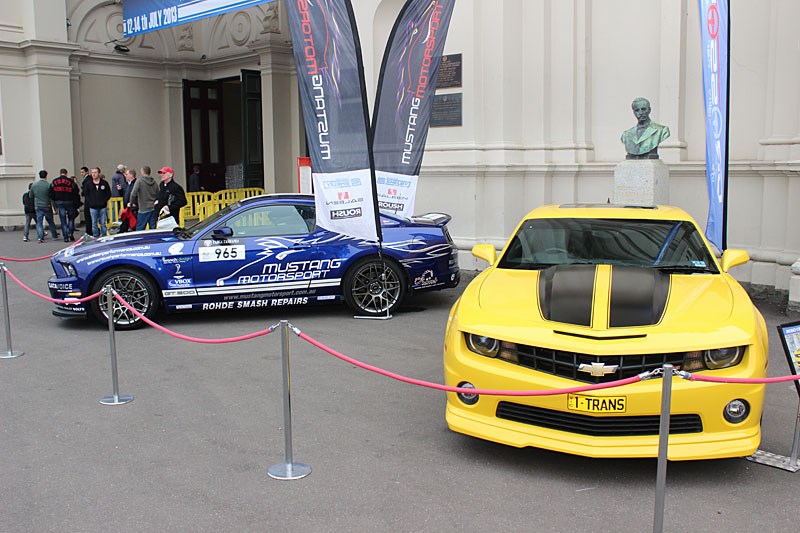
(330, 74)
(405, 100)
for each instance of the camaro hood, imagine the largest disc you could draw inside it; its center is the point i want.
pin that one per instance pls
(604, 298)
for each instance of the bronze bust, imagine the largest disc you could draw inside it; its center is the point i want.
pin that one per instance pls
(642, 140)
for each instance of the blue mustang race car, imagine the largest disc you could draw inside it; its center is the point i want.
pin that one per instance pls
(262, 252)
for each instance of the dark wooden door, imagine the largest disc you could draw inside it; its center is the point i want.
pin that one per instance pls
(203, 132)
(252, 130)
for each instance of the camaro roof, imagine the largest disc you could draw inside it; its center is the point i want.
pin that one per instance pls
(654, 212)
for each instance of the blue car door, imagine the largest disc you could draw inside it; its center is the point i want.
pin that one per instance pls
(257, 257)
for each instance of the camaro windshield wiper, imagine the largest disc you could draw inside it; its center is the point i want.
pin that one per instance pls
(685, 269)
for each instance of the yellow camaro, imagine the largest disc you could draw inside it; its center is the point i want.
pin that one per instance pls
(587, 294)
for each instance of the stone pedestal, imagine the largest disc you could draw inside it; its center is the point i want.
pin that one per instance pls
(794, 289)
(641, 182)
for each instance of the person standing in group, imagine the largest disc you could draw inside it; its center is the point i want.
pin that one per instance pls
(130, 181)
(170, 195)
(30, 212)
(44, 210)
(194, 180)
(63, 195)
(86, 177)
(118, 181)
(143, 196)
(97, 193)
(76, 205)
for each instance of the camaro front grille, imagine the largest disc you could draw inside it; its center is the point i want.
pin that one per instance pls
(596, 426)
(566, 364)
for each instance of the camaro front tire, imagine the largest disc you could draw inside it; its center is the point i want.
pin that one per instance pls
(374, 287)
(135, 288)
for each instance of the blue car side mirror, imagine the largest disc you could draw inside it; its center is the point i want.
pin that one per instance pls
(222, 233)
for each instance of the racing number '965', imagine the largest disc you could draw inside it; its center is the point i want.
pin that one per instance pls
(221, 253)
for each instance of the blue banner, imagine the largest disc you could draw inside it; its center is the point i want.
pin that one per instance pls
(714, 30)
(404, 103)
(141, 16)
(330, 74)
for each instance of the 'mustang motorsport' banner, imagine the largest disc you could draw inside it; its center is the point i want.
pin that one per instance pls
(327, 54)
(405, 98)
(141, 16)
(714, 29)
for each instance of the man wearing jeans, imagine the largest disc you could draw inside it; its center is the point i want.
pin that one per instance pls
(97, 194)
(44, 211)
(142, 197)
(63, 191)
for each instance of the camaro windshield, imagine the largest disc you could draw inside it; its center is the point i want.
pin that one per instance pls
(669, 244)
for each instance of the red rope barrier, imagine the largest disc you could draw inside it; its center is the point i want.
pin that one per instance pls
(188, 338)
(448, 388)
(44, 297)
(712, 379)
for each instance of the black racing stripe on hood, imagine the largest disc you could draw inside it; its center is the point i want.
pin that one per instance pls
(638, 296)
(566, 293)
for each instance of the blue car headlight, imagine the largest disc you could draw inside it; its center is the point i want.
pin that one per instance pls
(69, 269)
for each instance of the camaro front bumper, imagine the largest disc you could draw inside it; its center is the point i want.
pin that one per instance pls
(699, 429)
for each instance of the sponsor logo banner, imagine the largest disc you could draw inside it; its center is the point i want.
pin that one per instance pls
(142, 16)
(714, 28)
(405, 95)
(396, 192)
(330, 75)
(345, 204)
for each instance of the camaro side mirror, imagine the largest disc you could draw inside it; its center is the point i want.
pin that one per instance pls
(222, 233)
(486, 252)
(732, 258)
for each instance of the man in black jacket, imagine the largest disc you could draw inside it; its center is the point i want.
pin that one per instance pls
(170, 195)
(62, 191)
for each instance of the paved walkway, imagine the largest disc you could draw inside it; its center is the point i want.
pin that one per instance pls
(190, 453)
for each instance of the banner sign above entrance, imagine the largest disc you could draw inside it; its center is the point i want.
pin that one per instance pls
(142, 16)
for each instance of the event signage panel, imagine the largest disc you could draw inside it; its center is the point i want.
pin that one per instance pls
(714, 30)
(330, 71)
(141, 16)
(790, 339)
(405, 100)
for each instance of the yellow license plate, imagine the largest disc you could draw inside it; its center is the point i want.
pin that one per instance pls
(597, 404)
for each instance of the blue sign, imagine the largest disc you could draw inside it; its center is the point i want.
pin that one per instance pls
(714, 27)
(142, 16)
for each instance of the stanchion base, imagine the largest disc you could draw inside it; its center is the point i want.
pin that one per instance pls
(368, 317)
(11, 354)
(774, 460)
(289, 471)
(116, 400)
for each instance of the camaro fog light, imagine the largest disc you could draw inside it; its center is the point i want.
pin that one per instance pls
(468, 399)
(736, 411)
(481, 345)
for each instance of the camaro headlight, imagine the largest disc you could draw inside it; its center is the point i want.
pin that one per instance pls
(482, 345)
(713, 359)
(69, 269)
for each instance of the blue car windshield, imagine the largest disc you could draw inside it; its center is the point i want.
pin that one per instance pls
(673, 245)
(209, 222)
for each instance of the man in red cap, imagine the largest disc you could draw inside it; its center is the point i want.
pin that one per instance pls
(171, 196)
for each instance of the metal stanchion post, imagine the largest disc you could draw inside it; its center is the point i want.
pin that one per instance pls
(10, 353)
(793, 466)
(116, 398)
(288, 469)
(663, 442)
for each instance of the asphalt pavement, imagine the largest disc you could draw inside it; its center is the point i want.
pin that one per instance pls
(191, 452)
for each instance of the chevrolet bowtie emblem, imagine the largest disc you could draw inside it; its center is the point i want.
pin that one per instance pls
(598, 369)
